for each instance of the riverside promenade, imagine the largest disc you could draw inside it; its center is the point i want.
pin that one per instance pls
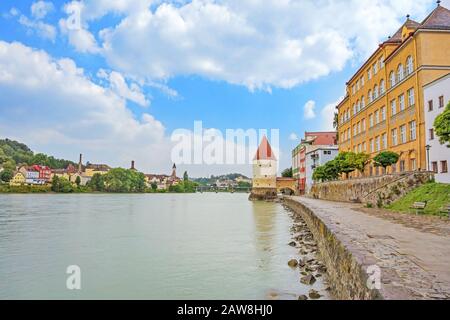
(412, 252)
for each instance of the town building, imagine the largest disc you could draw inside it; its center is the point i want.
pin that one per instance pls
(436, 97)
(92, 169)
(302, 164)
(18, 179)
(315, 157)
(35, 175)
(265, 167)
(162, 181)
(384, 105)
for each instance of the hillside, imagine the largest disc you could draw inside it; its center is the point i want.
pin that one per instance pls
(13, 153)
(436, 195)
(213, 179)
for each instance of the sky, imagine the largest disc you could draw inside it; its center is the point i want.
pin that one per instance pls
(117, 79)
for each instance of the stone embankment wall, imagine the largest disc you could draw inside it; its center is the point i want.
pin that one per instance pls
(346, 272)
(377, 191)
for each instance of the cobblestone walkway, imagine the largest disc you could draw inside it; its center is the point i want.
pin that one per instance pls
(413, 252)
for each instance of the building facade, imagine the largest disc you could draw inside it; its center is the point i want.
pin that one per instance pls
(384, 105)
(317, 156)
(301, 167)
(436, 97)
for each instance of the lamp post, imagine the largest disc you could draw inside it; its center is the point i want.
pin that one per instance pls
(428, 147)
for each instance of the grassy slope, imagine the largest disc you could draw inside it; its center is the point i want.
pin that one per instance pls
(437, 195)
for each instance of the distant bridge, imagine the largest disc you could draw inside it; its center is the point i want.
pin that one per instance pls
(202, 189)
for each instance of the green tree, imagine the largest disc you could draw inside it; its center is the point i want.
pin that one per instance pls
(97, 183)
(154, 186)
(78, 181)
(442, 126)
(346, 162)
(386, 159)
(287, 173)
(361, 161)
(6, 175)
(185, 176)
(61, 185)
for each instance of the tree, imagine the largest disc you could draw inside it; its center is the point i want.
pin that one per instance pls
(6, 175)
(346, 162)
(78, 181)
(154, 186)
(361, 161)
(97, 183)
(386, 159)
(442, 126)
(287, 173)
(61, 185)
(328, 172)
(185, 176)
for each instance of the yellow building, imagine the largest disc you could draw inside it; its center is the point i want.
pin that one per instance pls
(18, 179)
(384, 105)
(92, 169)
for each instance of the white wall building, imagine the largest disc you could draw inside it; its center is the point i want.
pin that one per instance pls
(317, 156)
(436, 98)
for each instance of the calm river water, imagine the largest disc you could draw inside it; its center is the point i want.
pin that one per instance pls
(197, 246)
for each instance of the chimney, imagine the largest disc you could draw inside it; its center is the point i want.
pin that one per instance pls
(80, 163)
(132, 165)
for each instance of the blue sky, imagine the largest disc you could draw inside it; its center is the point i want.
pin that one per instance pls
(116, 87)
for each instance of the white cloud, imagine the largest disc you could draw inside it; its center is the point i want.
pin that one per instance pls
(308, 110)
(76, 30)
(52, 105)
(256, 44)
(327, 114)
(293, 137)
(118, 84)
(40, 9)
(43, 30)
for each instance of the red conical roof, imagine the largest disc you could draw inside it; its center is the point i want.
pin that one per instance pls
(264, 151)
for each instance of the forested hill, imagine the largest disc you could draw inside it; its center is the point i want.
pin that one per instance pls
(13, 153)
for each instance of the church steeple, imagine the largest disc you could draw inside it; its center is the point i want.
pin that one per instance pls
(174, 170)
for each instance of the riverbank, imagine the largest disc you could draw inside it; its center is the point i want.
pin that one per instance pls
(413, 263)
(44, 189)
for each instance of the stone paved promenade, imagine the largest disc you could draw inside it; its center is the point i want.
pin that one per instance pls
(412, 251)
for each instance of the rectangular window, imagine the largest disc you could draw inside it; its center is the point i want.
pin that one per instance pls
(364, 147)
(411, 99)
(441, 101)
(372, 146)
(412, 130)
(349, 133)
(383, 113)
(394, 137)
(363, 124)
(402, 165)
(381, 61)
(377, 117)
(394, 168)
(393, 107)
(444, 168)
(369, 74)
(434, 166)
(403, 134)
(354, 130)
(413, 166)
(384, 140)
(359, 148)
(375, 68)
(377, 143)
(430, 105)
(359, 127)
(401, 102)
(370, 120)
(362, 81)
(431, 132)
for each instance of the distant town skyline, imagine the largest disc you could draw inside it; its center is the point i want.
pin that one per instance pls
(116, 87)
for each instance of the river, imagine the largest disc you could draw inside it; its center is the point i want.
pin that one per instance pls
(146, 246)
